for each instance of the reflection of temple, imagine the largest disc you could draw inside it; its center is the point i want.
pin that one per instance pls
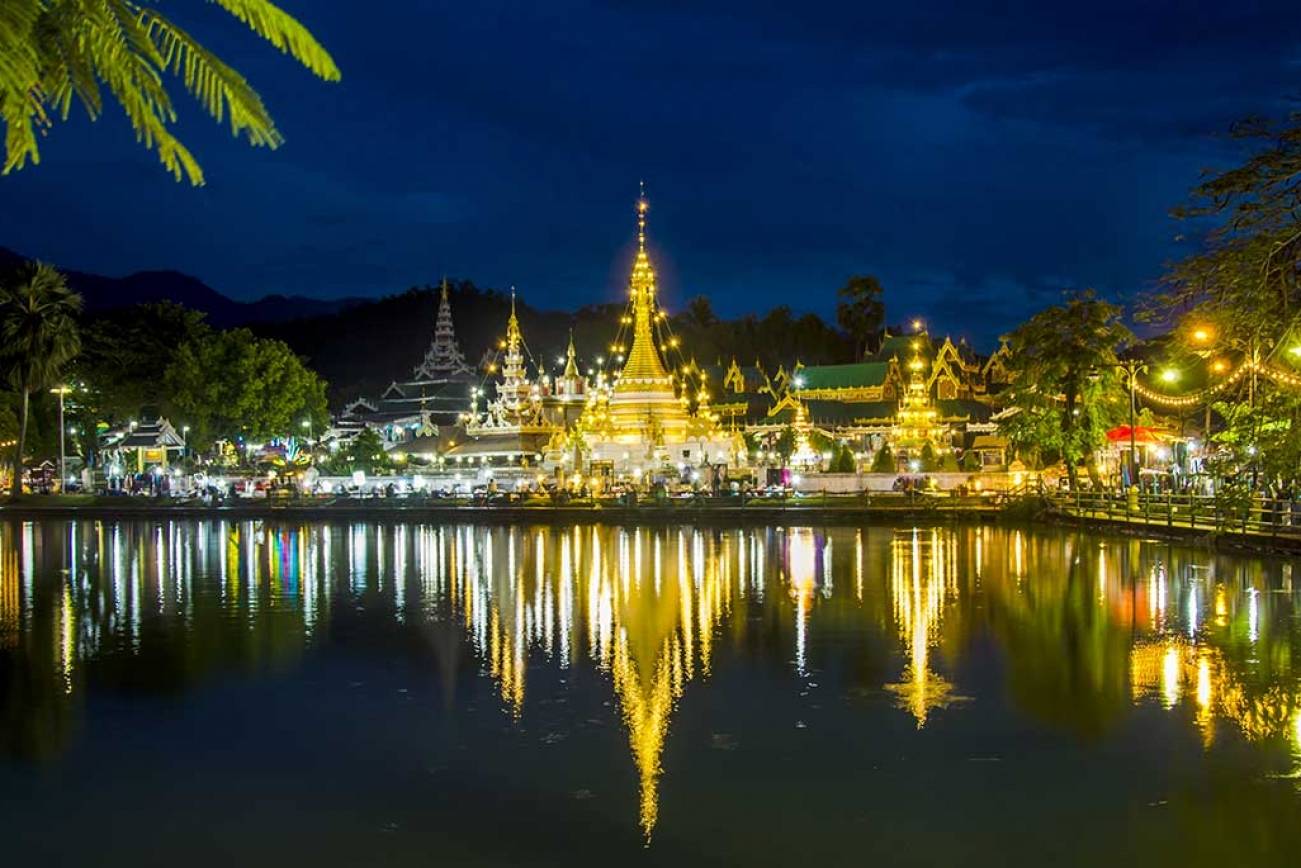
(1208, 637)
(645, 606)
(923, 581)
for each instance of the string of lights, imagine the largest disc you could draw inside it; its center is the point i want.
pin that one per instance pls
(1202, 396)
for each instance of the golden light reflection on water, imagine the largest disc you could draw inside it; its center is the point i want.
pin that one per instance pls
(1087, 629)
(923, 580)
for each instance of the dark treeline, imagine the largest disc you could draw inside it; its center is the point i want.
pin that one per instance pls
(362, 349)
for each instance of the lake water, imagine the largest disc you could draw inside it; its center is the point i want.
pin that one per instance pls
(212, 693)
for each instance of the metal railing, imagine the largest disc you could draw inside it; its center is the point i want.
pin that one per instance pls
(1257, 515)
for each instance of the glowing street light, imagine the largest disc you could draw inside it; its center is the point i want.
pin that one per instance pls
(1201, 334)
(1169, 375)
(63, 461)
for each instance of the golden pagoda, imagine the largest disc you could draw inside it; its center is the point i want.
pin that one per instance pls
(645, 417)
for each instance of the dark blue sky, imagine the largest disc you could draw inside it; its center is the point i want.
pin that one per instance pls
(977, 160)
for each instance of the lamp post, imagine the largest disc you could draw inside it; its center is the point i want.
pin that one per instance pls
(63, 466)
(1132, 368)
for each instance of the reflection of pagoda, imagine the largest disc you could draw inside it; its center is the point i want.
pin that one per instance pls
(922, 582)
(645, 608)
(645, 419)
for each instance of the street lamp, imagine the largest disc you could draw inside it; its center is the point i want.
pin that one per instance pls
(63, 462)
(1132, 369)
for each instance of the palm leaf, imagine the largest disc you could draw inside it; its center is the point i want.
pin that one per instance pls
(214, 84)
(20, 101)
(54, 50)
(284, 32)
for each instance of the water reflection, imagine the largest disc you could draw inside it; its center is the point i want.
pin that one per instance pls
(1087, 631)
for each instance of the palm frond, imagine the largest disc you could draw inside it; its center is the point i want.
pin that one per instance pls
(214, 84)
(54, 50)
(115, 45)
(284, 32)
(20, 100)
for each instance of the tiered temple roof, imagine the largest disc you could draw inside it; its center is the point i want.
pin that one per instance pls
(438, 395)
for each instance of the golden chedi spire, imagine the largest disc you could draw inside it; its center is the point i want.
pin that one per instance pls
(644, 370)
(571, 359)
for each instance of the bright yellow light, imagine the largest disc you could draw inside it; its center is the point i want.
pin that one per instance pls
(1219, 366)
(1296, 350)
(1201, 334)
(1169, 375)
(917, 325)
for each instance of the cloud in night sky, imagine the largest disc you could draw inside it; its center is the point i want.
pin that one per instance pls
(978, 160)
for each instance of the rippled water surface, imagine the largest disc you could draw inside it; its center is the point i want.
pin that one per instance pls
(210, 693)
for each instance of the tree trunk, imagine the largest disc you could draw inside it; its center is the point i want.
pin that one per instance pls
(16, 487)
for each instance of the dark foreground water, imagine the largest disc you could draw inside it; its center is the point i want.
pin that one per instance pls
(208, 693)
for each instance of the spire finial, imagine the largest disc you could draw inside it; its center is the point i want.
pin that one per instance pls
(642, 207)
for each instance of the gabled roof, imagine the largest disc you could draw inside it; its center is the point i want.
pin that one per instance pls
(902, 347)
(853, 376)
(157, 434)
(962, 408)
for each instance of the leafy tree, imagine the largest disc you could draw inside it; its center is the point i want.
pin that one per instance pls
(53, 50)
(231, 384)
(1258, 446)
(365, 453)
(843, 462)
(930, 462)
(701, 312)
(1246, 281)
(125, 352)
(971, 461)
(1065, 386)
(1243, 289)
(884, 460)
(949, 462)
(784, 445)
(38, 337)
(861, 311)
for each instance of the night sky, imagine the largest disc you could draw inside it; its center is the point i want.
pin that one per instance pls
(977, 161)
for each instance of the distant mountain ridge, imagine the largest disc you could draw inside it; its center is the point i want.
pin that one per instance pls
(102, 293)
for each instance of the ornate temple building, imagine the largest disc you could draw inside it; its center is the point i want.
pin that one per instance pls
(436, 396)
(655, 413)
(908, 394)
(525, 418)
(647, 418)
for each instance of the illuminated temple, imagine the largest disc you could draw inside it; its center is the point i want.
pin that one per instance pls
(648, 410)
(649, 417)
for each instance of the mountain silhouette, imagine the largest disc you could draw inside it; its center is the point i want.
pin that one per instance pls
(101, 293)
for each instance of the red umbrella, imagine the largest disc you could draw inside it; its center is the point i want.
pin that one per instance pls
(1120, 434)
